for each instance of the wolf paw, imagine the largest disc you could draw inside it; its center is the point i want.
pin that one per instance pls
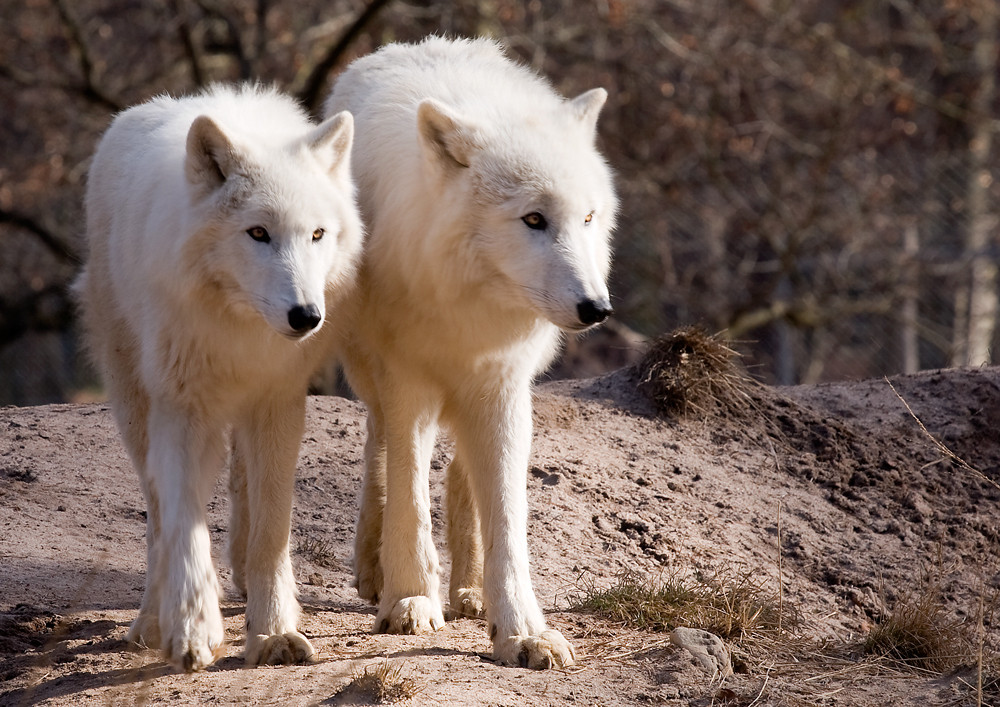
(194, 653)
(280, 649)
(410, 616)
(240, 582)
(144, 631)
(193, 643)
(467, 601)
(546, 650)
(368, 581)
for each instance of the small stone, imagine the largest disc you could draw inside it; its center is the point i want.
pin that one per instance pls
(707, 648)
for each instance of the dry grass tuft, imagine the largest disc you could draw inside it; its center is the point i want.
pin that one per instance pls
(383, 683)
(733, 604)
(920, 632)
(318, 551)
(690, 372)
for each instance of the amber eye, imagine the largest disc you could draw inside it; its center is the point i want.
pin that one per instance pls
(535, 221)
(318, 234)
(589, 217)
(259, 234)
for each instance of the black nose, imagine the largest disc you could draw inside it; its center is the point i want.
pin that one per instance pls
(304, 317)
(591, 312)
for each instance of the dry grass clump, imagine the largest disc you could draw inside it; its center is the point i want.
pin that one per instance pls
(691, 372)
(317, 551)
(920, 632)
(733, 604)
(383, 683)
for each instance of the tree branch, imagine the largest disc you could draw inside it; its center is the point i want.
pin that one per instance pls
(316, 81)
(55, 244)
(185, 35)
(90, 87)
(234, 46)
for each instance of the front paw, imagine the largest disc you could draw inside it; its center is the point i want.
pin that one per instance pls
(193, 644)
(279, 649)
(410, 616)
(546, 650)
(467, 601)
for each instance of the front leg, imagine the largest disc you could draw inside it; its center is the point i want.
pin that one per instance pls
(185, 454)
(267, 444)
(410, 601)
(239, 518)
(465, 543)
(494, 439)
(368, 533)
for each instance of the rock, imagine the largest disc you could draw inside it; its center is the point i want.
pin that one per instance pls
(707, 648)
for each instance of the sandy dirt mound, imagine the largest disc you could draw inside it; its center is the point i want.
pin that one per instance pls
(871, 508)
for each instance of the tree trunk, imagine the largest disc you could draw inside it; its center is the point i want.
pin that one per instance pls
(910, 310)
(982, 303)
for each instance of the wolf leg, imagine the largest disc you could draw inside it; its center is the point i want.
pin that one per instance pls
(410, 601)
(268, 442)
(494, 438)
(131, 410)
(368, 538)
(239, 517)
(465, 544)
(185, 454)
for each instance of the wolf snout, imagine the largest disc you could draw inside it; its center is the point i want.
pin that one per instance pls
(304, 317)
(593, 311)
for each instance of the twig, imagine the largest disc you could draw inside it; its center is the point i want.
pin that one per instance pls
(780, 582)
(767, 676)
(981, 630)
(939, 444)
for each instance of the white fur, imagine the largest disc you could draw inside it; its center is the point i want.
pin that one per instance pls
(460, 304)
(187, 317)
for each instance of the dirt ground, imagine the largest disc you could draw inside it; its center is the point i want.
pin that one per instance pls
(871, 510)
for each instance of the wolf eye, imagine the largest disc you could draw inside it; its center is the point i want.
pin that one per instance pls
(318, 234)
(259, 234)
(589, 217)
(535, 221)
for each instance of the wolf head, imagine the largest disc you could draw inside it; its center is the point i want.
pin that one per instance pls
(543, 201)
(282, 225)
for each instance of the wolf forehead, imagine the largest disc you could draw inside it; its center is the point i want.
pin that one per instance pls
(541, 178)
(282, 189)
(522, 158)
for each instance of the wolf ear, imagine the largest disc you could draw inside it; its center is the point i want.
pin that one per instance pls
(444, 134)
(331, 142)
(587, 106)
(211, 157)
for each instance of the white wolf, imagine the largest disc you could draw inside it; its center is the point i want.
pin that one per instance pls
(222, 231)
(489, 211)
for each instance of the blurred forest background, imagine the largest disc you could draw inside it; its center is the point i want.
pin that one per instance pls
(816, 178)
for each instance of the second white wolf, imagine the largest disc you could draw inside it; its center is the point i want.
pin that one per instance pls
(222, 232)
(489, 212)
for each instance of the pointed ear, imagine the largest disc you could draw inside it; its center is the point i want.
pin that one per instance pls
(331, 142)
(445, 135)
(587, 106)
(211, 157)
